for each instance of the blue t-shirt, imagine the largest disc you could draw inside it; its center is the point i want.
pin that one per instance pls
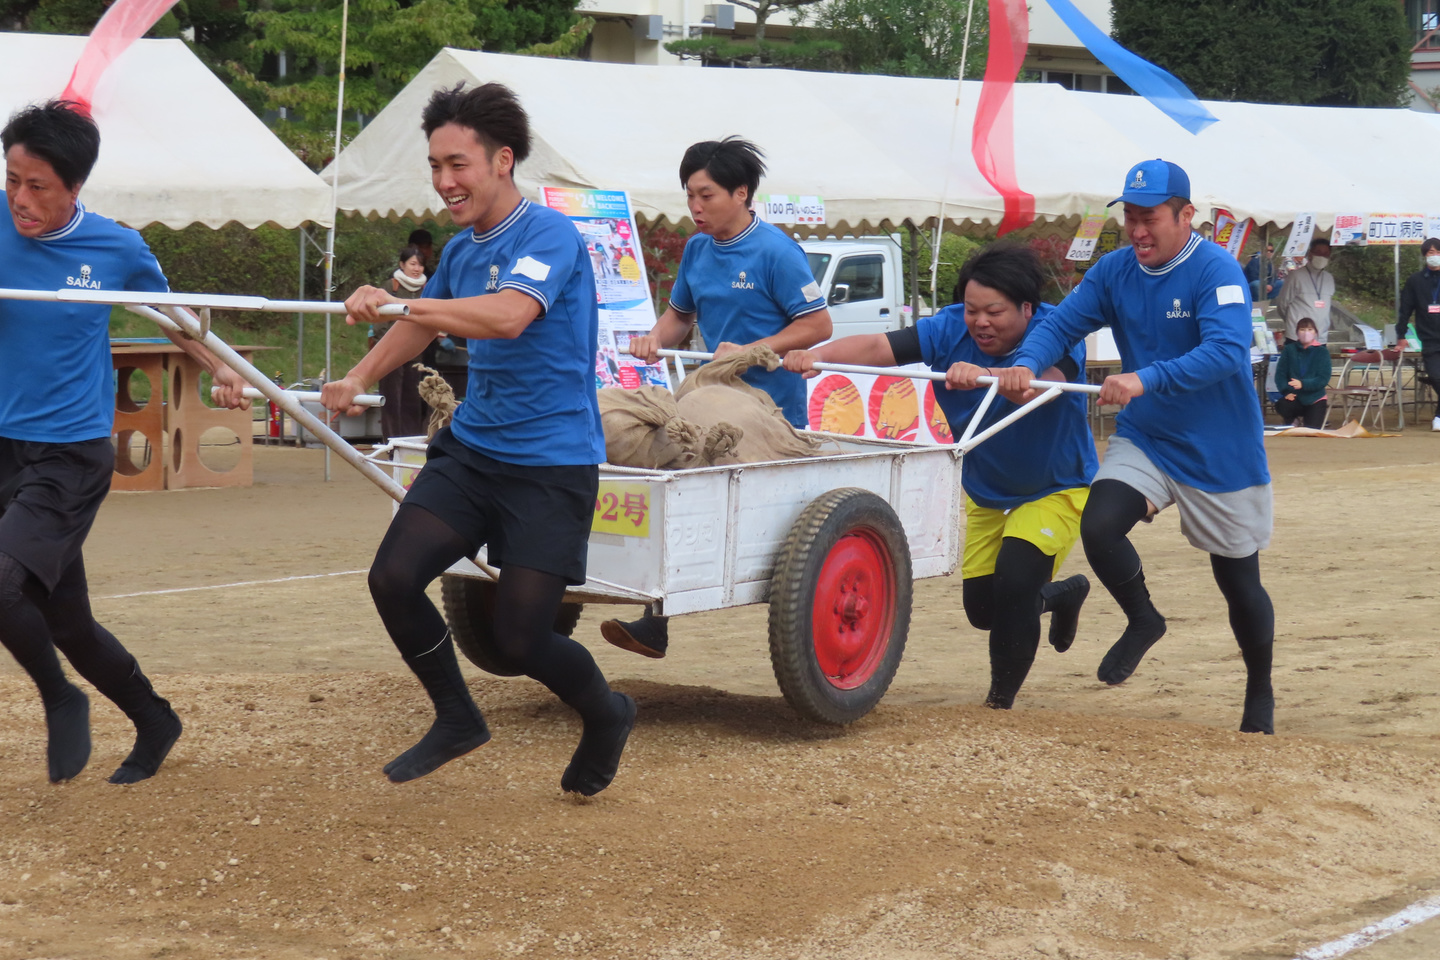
(1043, 452)
(745, 289)
(57, 384)
(530, 401)
(1185, 329)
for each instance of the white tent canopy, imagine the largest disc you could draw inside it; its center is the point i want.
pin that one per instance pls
(177, 147)
(877, 148)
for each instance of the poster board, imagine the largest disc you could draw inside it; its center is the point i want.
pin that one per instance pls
(877, 407)
(607, 225)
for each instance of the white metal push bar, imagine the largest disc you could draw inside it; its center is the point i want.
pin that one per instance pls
(1050, 389)
(196, 301)
(310, 396)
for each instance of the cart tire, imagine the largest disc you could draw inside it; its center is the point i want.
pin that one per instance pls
(840, 606)
(470, 611)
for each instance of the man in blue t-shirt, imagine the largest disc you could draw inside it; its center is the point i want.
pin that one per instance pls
(517, 470)
(1191, 431)
(747, 283)
(743, 278)
(1026, 486)
(57, 411)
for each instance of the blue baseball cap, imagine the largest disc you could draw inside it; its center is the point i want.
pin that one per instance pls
(1151, 183)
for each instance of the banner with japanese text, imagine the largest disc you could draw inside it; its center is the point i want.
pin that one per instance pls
(607, 225)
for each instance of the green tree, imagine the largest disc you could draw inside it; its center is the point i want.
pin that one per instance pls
(389, 41)
(909, 38)
(763, 8)
(1310, 52)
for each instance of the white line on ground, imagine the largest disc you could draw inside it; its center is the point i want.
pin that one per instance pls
(226, 586)
(1417, 912)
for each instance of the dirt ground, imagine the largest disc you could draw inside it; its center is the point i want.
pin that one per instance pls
(1091, 822)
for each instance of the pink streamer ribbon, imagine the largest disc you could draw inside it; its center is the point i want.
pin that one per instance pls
(992, 142)
(125, 22)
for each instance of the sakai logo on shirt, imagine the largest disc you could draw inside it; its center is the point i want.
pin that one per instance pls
(83, 280)
(742, 283)
(1177, 313)
(494, 283)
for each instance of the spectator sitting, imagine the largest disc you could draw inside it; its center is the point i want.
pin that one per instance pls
(1302, 374)
(1252, 273)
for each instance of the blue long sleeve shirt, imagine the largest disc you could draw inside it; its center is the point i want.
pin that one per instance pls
(1185, 329)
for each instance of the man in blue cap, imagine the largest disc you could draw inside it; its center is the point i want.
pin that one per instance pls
(1191, 431)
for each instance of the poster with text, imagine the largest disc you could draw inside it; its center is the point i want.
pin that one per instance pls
(1300, 233)
(1087, 238)
(607, 226)
(1349, 230)
(789, 210)
(1231, 233)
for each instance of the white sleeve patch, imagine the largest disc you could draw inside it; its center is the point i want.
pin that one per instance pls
(1230, 293)
(811, 291)
(537, 271)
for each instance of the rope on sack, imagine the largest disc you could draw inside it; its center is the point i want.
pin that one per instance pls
(435, 391)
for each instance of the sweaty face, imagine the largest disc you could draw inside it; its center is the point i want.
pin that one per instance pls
(38, 199)
(467, 178)
(1156, 233)
(715, 210)
(996, 323)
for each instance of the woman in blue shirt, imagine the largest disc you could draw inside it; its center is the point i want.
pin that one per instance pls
(743, 279)
(746, 282)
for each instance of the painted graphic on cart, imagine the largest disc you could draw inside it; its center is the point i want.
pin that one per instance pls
(894, 411)
(622, 508)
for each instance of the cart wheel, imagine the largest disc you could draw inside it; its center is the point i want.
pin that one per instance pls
(840, 606)
(470, 610)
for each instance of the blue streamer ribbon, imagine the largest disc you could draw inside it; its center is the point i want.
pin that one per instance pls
(1172, 97)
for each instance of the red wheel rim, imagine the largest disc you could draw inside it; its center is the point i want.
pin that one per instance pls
(854, 609)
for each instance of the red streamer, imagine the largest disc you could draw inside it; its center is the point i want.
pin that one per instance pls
(993, 141)
(125, 22)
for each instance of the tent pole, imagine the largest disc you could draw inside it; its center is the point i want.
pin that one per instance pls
(335, 197)
(300, 317)
(914, 272)
(949, 155)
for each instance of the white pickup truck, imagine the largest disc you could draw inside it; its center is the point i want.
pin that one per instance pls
(863, 281)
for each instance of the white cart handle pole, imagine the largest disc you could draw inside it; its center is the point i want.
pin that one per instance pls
(286, 401)
(900, 372)
(195, 301)
(309, 396)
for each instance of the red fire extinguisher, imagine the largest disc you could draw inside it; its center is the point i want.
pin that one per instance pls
(274, 411)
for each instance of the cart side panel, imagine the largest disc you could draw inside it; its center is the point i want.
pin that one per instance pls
(769, 498)
(624, 549)
(696, 507)
(926, 497)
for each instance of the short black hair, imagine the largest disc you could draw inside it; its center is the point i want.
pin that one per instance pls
(60, 132)
(419, 238)
(410, 250)
(491, 110)
(1318, 242)
(1431, 243)
(1012, 269)
(733, 163)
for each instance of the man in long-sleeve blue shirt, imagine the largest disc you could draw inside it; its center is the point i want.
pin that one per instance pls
(1191, 431)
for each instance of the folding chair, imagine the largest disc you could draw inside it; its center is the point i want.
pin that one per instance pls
(1369, 379)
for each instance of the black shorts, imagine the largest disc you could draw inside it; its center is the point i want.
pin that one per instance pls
(49, 495)
(535, 517)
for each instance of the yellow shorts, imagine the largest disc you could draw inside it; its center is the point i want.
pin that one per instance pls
(1051, 523)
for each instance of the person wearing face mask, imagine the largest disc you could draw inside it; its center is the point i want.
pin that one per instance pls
(1420, 300)
(1025, 488)
(1190, 435)
(1308, 292)
(1302, 374)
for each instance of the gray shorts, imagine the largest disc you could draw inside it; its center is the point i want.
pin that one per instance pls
(1234, 524)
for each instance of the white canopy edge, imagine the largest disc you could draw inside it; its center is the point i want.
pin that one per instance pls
(875, 147)
(176, 146)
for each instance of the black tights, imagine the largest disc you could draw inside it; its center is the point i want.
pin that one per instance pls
(417, 548)
(1007, 603)
(1111, 512)
(33, 625)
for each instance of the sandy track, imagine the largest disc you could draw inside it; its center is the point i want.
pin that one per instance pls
(1091, 822)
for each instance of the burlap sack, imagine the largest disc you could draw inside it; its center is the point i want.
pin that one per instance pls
(716, 399)
(643, 428)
